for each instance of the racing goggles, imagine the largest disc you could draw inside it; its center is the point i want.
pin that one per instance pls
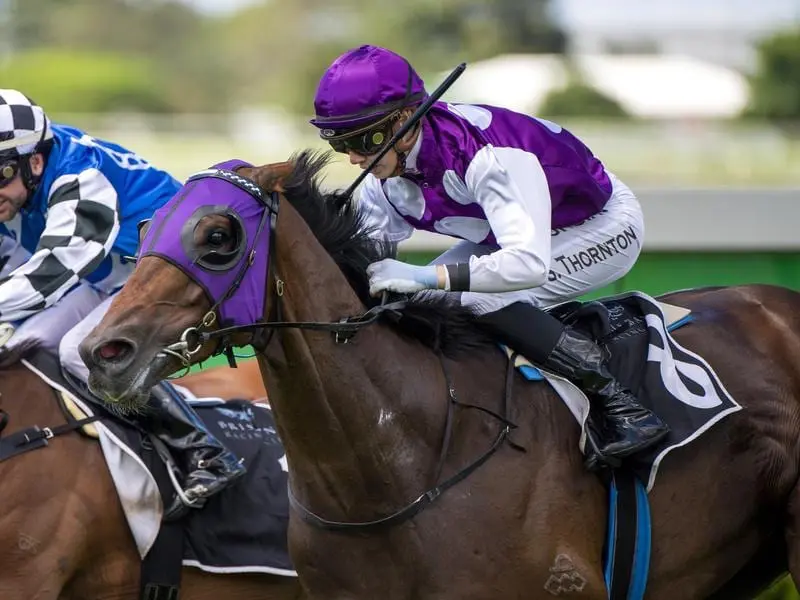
(8, 170)
(365, 141)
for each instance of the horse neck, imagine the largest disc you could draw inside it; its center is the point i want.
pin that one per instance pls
(347, 412)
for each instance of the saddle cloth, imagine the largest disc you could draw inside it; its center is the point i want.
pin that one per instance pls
(675, 383)
(243, 529)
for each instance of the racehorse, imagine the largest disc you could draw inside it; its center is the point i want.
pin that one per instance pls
(63, 534)
(421, 497)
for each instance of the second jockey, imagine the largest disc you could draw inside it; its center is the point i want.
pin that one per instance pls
(69, 209)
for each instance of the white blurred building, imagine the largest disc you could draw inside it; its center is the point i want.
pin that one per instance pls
(647, 86)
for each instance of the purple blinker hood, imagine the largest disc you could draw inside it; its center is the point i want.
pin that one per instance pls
(170, 236)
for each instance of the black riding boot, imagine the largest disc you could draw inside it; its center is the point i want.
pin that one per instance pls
(543, 339)
(211, 466)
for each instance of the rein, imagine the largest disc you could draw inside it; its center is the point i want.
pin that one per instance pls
(343, 330)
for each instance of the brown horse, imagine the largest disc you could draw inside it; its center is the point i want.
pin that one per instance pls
(63, 534)
(363, 423)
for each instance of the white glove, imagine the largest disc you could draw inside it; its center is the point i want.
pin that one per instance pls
(395, 276)
(6, 332)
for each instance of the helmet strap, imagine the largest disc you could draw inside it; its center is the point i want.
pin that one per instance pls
(401, 164)
(30, 180)
(402, 156)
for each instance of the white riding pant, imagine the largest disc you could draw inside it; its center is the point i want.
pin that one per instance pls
(584, 257)
(62, 327)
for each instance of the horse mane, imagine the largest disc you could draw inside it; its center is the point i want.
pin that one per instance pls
(340, 227)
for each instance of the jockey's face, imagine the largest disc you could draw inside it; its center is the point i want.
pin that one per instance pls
(14, 194)
(386, 166)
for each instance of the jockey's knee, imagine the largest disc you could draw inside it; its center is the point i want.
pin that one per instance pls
(68, 351)
(68, 347)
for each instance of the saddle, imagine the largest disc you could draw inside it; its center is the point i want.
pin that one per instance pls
(581, 314)
(676, 384)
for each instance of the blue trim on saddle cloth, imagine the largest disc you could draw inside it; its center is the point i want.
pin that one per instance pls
(641, 557)
(680, 322)
(531, 373)
(611, 540)
(641, 567)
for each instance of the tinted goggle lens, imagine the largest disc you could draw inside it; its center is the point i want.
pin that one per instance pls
(366, 143)
(8, 170)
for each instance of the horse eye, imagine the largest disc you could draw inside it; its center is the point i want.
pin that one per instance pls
(217, 237)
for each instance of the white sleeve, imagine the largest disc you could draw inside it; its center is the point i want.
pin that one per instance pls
(380, 215)
(510, 186)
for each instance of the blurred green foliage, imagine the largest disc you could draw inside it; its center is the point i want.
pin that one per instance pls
(578, 99)
(166, 57)
(169, 58)
(281, 48)
(164, 46)
(270, 53)
(776, 84)
(80, 81)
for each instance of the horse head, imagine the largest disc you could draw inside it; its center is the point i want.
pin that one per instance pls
(203, 265)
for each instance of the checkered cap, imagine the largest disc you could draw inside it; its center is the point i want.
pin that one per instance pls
(21, 123)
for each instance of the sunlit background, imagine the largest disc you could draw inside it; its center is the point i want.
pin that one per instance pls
(694, 103)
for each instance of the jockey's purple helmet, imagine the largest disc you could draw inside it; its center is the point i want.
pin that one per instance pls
(363, 85)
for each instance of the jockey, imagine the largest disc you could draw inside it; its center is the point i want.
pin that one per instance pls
(69, 209)
(541, 221)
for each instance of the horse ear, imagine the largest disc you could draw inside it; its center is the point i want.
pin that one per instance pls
(269, 177)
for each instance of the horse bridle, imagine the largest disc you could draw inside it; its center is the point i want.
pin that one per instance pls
(194, 338)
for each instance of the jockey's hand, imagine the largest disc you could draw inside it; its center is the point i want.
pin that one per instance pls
(6, 331)
(395, 276)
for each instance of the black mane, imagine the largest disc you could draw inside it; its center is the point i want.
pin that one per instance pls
(340, 228)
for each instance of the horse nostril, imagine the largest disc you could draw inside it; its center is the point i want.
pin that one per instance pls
(114, 351)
